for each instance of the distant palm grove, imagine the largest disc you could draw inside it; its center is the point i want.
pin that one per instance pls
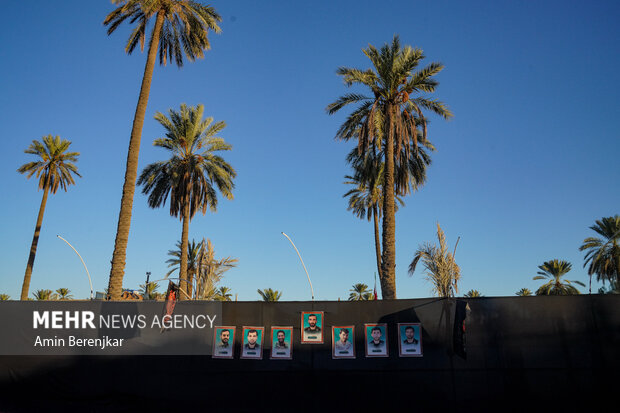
(387, 120)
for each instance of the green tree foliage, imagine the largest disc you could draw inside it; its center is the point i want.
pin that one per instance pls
(388, 120)
(553, 271)
(603, 254)
(149, 291)
(64, 294)
(223, 294)
(441, 269)
(360, 292)
(180, 29)
(473, 294)
(270, 295)
(55, 169)
(210, 272)
(193, 250)
(524, 292)
(193, 172)
(44, 295)
(4, 297)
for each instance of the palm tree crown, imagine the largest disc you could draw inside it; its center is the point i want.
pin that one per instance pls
(441, 268)
(56, 166)
(603, 253)
(180, 28)
(184, 27)
(55, 169)
(270, 295)
(389, 119)
(360, 292)
(553, 271)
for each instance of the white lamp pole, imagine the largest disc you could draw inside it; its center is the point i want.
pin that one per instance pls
(87, 273)
(302, 263)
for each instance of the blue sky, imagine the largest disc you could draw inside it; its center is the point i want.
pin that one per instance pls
(527, 164)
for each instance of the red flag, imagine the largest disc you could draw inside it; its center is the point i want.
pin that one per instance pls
(375, 293)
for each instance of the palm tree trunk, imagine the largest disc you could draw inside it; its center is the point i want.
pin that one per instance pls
(35, 242)
(388, 280)
(184, 247)
(377, 241)
(117, 271)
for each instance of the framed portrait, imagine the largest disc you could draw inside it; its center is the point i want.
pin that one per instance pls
(312, 327)
(252, 347)
(376, 341)
(409, 340)
(343, 342)
(281, 343)
(223, 342)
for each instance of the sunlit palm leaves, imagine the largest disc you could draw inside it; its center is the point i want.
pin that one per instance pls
(441, 269)
(269, 295)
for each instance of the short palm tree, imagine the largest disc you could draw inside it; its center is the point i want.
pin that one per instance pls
(389, 121)
(55, 169)
(210, 272)
(64, 294)
(149, 291)
(524, 292)
(4, 297)
(192, 174)
(473, 294)
(441, 269)
(360, 292)
(553, 271)
(270, 295)
(180, 28)
(603, 253)
(223, 294)
(44, 295)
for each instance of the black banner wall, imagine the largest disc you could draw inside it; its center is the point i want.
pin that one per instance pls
(513, 353)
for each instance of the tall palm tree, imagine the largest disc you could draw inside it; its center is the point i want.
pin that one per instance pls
(180, 28)
(524, 292)
(389, 121)
(191, 174)
(55, 169)
(441, 268)
(603, 253)
(64, 294)
(360, 292)
(553, 271)
(223, 294)
(270, 295)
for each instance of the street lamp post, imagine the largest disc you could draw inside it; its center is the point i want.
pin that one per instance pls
(83, 263)
(302, 263)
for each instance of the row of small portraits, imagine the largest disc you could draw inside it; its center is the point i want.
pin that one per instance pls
(343, 339)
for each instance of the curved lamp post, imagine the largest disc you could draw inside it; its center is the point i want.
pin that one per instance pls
(87, 273)
(302, 263)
